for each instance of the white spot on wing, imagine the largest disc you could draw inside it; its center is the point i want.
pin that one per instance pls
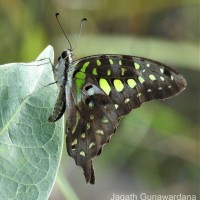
(162, 78)
(127, 100)
(100, 132)
(92, 144)
(149, 90)
(116, 106)
(82, 153)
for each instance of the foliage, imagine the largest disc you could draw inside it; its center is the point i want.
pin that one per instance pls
(30, 146)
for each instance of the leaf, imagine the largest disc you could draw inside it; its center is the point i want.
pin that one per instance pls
(30, 147)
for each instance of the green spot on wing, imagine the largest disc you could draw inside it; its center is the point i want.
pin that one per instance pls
(80, 80)
(85, 65)
(94, 71)
(123, 71)
(80, 75)
(131, 83)
(111, 61)
(137, 66)
(118, 85)
(108, 72)
(141, 79)
(79, 83)
(104, 85)
(98, 62)
(152, 77)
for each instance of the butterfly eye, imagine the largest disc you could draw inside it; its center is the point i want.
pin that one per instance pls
(64, 54)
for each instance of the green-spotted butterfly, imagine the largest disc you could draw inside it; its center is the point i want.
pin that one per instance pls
(96, 91)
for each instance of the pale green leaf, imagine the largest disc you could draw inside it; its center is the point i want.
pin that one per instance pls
(30, 147)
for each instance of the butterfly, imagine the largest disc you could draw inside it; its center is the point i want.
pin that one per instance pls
(96, 91)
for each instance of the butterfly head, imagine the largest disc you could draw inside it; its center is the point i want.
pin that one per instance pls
(66, 56)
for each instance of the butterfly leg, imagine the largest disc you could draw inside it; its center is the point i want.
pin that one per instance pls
(59, 107)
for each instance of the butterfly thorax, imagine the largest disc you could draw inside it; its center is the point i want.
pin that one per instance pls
(62, 71)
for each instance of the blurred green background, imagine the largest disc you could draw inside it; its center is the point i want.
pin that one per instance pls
(156, 147)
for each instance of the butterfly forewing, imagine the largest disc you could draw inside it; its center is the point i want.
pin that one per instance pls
(130, 81)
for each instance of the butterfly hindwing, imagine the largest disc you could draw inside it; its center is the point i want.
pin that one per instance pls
(92, 120)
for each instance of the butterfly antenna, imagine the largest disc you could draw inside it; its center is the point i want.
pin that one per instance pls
(63, 30)
(81, 24)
